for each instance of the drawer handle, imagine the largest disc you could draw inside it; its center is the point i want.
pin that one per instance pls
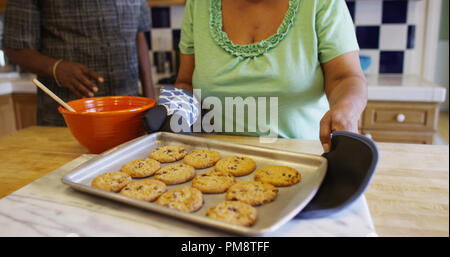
(401, 117)
(368, 135)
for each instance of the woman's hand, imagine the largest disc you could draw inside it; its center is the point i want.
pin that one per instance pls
(341, 116)
(345, 87)
(78, 78)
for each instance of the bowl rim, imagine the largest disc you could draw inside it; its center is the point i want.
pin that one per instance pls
(152, 102)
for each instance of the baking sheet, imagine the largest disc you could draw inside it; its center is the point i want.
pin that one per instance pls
(289, 202)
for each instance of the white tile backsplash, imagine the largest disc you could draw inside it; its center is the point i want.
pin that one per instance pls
(368, 12)
(375, 60)
(176, 16)
(393, 37)
(161, 39)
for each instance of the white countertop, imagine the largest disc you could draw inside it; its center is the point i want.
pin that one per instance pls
(15, 83)
(409, 88)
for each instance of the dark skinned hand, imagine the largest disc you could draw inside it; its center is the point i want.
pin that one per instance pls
(78, 78)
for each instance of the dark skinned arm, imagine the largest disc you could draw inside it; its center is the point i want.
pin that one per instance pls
(75, 76)
(145, 73)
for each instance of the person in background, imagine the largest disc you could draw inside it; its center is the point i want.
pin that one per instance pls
(303, 52)
(80, 48)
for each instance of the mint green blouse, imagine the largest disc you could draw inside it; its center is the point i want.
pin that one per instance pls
(286, 66)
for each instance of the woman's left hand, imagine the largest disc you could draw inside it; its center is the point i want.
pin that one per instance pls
(341, 116)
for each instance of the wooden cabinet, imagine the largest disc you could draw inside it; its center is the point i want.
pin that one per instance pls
(17, 111)
(7, 118)
(165, 2)
(25, 109)
(402, 122)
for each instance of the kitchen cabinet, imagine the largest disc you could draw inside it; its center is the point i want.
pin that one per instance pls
(25, 109)
(401, 122)
(17, 111)
(7, 118)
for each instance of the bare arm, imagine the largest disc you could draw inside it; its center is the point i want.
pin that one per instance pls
(32, 61)
(75, 76)
(345, 87)
(185, 72)
(145, 73)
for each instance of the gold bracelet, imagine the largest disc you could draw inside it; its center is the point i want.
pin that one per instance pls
(54, 71)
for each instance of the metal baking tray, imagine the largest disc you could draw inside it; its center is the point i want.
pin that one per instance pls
(289, 202)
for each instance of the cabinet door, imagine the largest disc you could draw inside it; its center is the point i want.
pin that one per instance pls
(7, 119)
(25, 107)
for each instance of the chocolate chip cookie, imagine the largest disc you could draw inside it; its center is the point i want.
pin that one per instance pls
(141, 168)
(175, 173)
(201, 159)
(252, 192)
(111, 181)
(213, 182)
(187, 199)
(234, 212)
(146, 189)
(278, 175)
(236, 165)
(169, 153)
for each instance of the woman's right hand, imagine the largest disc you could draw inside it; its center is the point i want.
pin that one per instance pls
(78, 78)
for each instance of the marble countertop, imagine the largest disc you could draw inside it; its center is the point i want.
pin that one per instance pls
(47, 207)
(380, 87)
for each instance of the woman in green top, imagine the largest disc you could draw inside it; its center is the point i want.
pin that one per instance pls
(304, 52)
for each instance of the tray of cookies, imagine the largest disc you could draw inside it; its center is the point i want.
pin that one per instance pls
(243, 189)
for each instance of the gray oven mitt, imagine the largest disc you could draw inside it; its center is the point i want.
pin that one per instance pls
(352, 162)
(175, 105)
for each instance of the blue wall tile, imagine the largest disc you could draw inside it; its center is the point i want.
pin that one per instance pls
(368, 36)
(411, 37)
(149, 39)
(160, 17)
(391, 61)
(176, 34)
(395, 11)
(351, 9)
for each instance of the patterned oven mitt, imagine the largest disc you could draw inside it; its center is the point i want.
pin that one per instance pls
(177, 111)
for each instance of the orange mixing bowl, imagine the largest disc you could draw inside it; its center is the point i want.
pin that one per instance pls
(101, 123)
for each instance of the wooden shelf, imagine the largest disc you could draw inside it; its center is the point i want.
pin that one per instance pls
(165, 2)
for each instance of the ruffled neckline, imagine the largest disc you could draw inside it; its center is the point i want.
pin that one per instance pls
(254, 49)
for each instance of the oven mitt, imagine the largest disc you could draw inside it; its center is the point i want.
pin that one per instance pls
(351, 164)
(176, 105)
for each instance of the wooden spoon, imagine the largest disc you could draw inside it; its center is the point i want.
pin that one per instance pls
(52, 95)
